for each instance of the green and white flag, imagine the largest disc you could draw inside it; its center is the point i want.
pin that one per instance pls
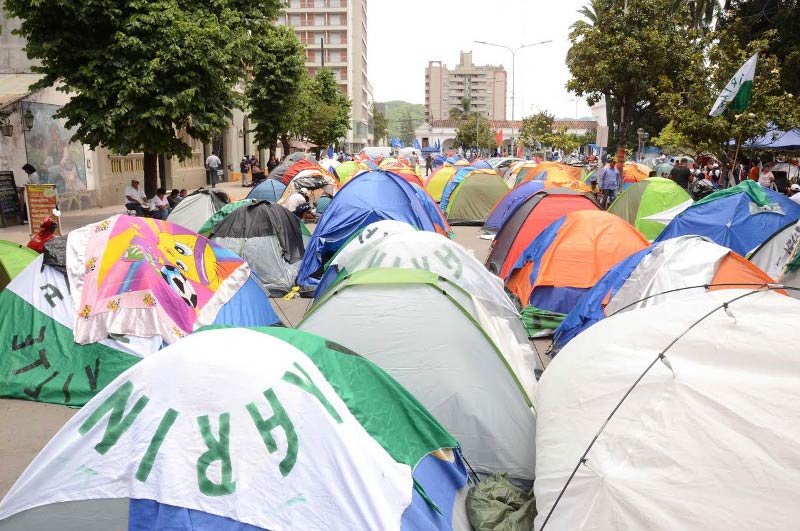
(736, 94)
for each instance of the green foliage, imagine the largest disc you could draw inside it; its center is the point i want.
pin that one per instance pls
(462, 111)
(476, 129)
(687, 105)
(143, 69)
(566, 142)
(324, 112)
(273, 88)
(627, 52)
(379, 124)
(399, 111)
(753, 19)
(406, 129)
(536, 129)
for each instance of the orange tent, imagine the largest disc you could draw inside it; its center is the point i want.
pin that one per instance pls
(566, 260)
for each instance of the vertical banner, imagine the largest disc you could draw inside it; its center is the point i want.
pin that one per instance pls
(41, 200)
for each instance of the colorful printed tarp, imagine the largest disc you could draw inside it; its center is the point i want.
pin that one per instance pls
(233, 428)
(145, 277)
(779, 257)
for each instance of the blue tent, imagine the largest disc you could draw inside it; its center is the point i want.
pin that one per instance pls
(776, 140)
(509, 204)
(739, 218)
(589, 308)
(482, 164)
(249, 306)
(452, 184)
(374, 196)
(269, 190)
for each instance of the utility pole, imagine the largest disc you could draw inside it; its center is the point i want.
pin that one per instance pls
(322, 51)
(513, 77)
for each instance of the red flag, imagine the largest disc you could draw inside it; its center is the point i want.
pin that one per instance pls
(499, 137)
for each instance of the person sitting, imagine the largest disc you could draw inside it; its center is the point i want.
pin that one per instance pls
(701, 186)
(173, 198)
(182, 195)
(323, 203)
(258, 173)
(161, 207)
(297, 202)
(794, 193)
(135, 198)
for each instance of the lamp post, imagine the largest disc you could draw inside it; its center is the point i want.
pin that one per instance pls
(513, 78)
(643, 136)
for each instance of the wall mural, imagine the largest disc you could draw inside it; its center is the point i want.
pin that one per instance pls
(57, 160)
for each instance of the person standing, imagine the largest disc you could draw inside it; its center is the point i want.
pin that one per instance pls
(212, 165)
(271, 163)
(610, 182)
(135, 198)
(681, 174)
(33, 178)
(413, 160)
(428, 164)
(766, 179)
(754, 171)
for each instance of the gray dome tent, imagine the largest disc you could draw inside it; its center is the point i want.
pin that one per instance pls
(193, 211)
(268, 237)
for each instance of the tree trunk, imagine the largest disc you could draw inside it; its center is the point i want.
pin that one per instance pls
(625, 114)
(273, 146)
(150, 174)
(285, 142)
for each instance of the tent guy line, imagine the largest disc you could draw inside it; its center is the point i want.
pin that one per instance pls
(660, 357)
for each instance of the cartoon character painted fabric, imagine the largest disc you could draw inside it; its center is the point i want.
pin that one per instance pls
(147, 277)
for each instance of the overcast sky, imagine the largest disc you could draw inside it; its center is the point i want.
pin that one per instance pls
(404, 35)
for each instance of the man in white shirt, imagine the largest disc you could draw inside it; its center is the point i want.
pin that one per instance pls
(212, 164)
(300, 197)
(795, 191)
(135, 198)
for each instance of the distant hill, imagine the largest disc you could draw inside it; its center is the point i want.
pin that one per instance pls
(403, 118)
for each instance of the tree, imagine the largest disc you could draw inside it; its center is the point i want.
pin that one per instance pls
(325, 111)
(379, 124)
(462, 111)
(273, 88)
(686, 106)
(477, 131)
(537, 129)
(143, 71)
(406, 126)
(566, 142)
(627, 53)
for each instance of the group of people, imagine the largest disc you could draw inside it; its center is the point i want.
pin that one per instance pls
(158, 207)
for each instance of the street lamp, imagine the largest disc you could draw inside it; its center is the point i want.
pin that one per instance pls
(513, 78)
(643, 136)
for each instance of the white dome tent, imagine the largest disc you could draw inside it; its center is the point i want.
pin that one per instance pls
(692, 425)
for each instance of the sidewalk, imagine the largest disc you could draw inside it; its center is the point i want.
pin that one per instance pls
(78, 218)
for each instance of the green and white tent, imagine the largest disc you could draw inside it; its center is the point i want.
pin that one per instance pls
(231, 428)
(13, 259)
(779, 257)
(645, 198)
(39, 359)
(441, 343)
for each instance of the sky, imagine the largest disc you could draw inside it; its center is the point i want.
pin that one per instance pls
(403, 35)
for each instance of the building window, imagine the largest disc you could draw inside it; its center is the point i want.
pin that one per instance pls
(294, 20)
(335, 56)
(319, 20)
(319, 3)
(294, 4)
(335, 19)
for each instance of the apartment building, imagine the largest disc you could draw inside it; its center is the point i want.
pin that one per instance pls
(485, 87)
(334, 33)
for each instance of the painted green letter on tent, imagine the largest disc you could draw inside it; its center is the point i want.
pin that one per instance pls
(218, 450)
(279, 418)
(155, 444)
(117, 424)
(309, 387)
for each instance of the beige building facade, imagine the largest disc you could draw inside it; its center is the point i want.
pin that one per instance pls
(485, 86)
(334, 33)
